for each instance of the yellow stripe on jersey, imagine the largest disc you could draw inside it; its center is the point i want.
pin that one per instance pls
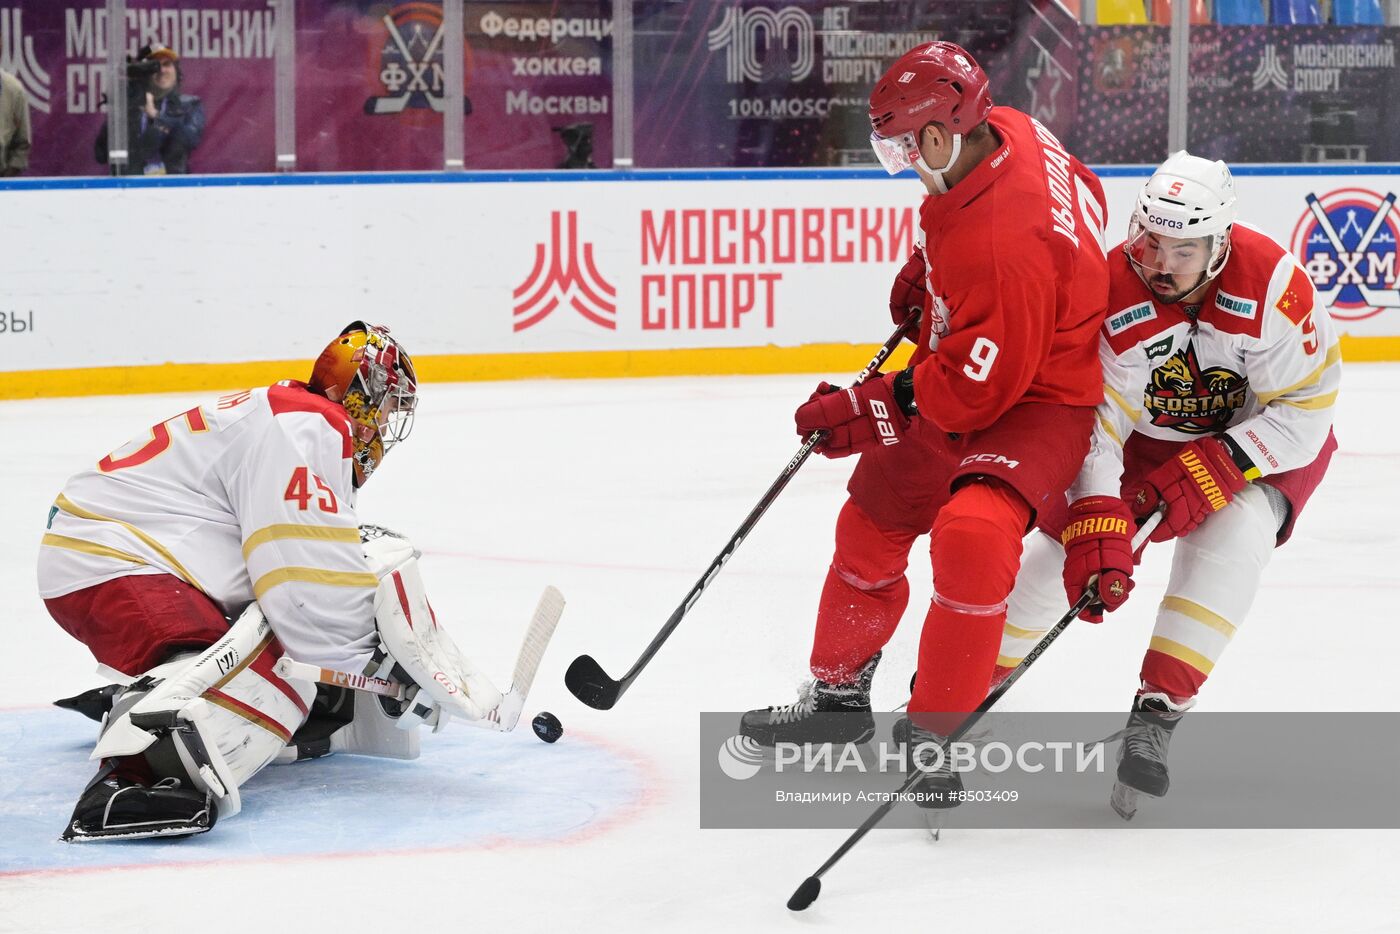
(1200, 614)
(87, 548)
(1110, 430)
(73, 509)
(313, 576)
(1122, 403)
(1016, 632)
(323, 533)
(1181, 653)
(1315, 402)
(1334, 355)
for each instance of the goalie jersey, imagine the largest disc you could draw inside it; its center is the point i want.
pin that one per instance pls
(1257, 361)
(249, 497)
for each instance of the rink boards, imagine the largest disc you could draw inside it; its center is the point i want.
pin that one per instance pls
(225, 281)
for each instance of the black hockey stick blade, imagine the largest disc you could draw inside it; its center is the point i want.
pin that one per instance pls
(806, 893)
(587, 681)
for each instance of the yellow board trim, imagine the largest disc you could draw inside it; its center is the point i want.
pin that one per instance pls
(1182, 654)
(87, 548)
(324, 533)
(1200, 614)
(73, 509)
(313, 576)
(840, 359)
(1005, 662)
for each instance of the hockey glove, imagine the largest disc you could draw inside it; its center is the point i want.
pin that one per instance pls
(1201, 479)
(855, 419)
(1098, 540)
(910, 290)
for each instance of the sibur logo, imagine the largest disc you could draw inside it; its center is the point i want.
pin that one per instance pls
(564, 271)
(740, 758)
(1347, 243)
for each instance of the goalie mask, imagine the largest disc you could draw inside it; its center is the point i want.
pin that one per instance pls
(366, 371)
(1179, 235)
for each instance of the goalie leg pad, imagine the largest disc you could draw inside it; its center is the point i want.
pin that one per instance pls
(213, 719)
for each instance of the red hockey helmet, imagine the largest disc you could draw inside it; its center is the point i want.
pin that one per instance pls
(934, 83)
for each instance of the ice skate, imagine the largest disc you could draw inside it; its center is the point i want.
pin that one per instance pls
(823, 713)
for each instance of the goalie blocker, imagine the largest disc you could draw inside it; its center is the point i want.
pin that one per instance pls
(181, 739)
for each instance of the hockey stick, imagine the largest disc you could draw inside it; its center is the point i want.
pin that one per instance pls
(811, 887)
(502, 717)
(587, 680)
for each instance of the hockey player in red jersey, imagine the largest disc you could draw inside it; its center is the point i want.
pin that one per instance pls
(989, 422)
(1220, 374)
(192, 558)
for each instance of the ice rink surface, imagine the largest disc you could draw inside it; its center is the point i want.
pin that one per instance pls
(620, 493)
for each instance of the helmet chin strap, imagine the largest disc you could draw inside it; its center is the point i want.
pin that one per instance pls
(937, 175)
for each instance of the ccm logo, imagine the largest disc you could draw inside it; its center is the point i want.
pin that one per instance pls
(989, 459)
(445, 681)
(882, 422)
(1165, 222)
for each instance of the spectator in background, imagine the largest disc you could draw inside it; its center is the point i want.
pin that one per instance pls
(163, 125)
(14, 126)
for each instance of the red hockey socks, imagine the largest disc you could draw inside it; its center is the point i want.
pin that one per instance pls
(976, 552)
(864, 597)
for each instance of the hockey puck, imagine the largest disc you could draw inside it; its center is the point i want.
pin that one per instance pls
(547, 726)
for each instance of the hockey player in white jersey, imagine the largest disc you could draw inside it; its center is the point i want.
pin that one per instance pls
(1221, 370)
(191, 559)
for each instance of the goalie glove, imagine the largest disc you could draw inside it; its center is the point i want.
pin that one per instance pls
(417, 646)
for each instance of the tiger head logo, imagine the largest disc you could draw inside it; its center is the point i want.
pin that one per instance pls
(1195, 401)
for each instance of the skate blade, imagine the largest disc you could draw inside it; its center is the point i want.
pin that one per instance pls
(1124, 800)
(78, 836)
(933, 820)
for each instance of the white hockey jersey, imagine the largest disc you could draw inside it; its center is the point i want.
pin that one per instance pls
(248, 497)
(1260, 363)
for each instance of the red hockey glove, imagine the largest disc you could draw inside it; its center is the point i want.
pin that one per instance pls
(909, 291)
(857, 419)
(1098, 540)
(1201, 479)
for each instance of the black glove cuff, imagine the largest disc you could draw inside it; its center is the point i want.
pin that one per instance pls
(904, 392)
(1242, 460)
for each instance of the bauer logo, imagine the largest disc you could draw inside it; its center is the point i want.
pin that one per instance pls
(1346, 240)
(740, 758)
(564, 272)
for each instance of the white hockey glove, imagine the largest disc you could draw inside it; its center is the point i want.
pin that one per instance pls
(416, 643)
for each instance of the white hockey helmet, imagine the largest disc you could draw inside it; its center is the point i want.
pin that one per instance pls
(1186, 197)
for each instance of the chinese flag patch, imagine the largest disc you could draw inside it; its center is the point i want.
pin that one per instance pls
(1296, 302)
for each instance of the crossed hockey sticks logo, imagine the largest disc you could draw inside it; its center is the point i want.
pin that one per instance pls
(1350, 259)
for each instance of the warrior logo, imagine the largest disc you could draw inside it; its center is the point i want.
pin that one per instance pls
(760, 44)
(17, 57)
(564, 270)
(1193, 401)
(411, 66)
(1347, 242)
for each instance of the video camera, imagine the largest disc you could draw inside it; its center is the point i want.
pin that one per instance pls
(143, 69)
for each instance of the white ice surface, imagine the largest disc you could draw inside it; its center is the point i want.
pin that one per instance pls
(620, 493)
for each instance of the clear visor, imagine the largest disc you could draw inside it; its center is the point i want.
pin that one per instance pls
(894, 152)
(1160, 254)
